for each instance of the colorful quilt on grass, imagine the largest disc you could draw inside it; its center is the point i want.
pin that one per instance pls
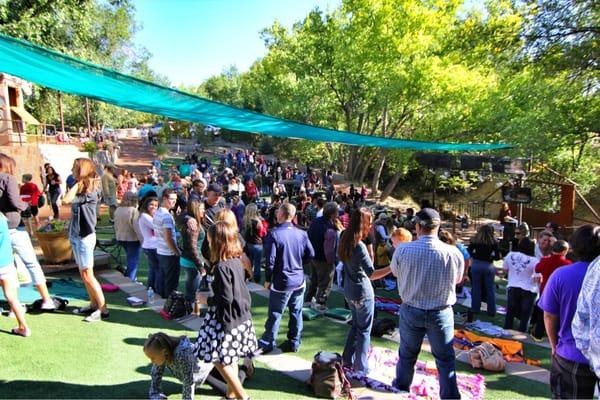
(382, 364)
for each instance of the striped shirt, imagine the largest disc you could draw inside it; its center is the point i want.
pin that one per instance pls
(427, 271)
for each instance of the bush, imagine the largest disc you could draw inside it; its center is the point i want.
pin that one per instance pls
(56, 225)
(161, 150)
(90, 148)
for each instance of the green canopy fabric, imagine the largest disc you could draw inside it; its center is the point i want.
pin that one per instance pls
(67, 74)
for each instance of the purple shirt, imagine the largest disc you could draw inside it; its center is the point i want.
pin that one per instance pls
(560, 298)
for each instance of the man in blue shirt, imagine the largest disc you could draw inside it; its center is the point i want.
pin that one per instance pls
(286, 248)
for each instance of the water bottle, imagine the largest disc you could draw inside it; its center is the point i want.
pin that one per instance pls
(150, 296)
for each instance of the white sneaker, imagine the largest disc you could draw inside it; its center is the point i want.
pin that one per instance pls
(48, 306)
(96, 316)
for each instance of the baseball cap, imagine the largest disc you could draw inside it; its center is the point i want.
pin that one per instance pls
(214, 187)
(428, 217)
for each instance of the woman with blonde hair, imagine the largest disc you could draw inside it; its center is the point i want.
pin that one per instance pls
(84, 197)
(227, 333)
(127, 232)
(253, 232)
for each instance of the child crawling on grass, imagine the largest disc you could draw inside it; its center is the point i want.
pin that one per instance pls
(178, 354)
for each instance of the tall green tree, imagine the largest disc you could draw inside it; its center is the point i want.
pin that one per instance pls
(97, 31)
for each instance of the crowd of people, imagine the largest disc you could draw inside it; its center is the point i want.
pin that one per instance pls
(249, 218)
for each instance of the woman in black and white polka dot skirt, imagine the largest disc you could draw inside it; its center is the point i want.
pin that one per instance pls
(227, 333)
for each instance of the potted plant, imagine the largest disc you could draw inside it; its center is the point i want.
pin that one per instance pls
(91, 148)
(53, 238)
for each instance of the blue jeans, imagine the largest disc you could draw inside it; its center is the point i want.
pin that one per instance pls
(359, 336)
(192, 283)
(277, 303)
(255, 252)
(169, 269)
(439, 327)
(21, 245)
(483, 273)
(54, 196)
(153, 270)
(133, 251)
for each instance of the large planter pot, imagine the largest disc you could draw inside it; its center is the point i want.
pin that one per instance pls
(55, 246)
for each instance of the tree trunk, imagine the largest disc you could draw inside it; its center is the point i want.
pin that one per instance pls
(60, 113)
(389, 188)
(366, 165)
(87, 114)
(377, 175)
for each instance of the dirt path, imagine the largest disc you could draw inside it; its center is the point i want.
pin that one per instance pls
(136, 155)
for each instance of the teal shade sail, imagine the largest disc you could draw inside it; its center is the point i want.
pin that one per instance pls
(70, 75)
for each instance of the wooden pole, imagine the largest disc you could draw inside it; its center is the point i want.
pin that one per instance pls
(60, 112)
(87, 113)
(587, 203)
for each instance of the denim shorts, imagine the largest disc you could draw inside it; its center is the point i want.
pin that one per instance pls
(83, 250)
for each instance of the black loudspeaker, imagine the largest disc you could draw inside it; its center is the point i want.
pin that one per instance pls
(435, 161)
(472, 163)
(500, 165)
(516, 195)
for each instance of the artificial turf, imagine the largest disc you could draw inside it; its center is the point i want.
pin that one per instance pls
(68, 358)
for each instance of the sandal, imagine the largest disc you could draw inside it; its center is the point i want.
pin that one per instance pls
(21, 332)
(248, 367)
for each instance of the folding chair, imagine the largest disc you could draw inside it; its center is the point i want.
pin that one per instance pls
(110, 247)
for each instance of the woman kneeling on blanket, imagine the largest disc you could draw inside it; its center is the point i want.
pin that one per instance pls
(178, 354)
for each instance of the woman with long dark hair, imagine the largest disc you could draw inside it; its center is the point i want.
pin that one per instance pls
(358, 291)
(484, 250)
(147, 211)
(254, 231)
(53, 183)
(192, 239)
(84, 197)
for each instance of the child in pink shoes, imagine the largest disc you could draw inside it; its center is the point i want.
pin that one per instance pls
(8, 279)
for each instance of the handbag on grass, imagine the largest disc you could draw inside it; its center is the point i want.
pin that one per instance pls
(327, 378)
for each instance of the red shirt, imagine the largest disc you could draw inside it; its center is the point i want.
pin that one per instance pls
(31, 190)
(548, 265)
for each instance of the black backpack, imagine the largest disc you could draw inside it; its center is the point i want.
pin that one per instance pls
(176, 306)
(384, 326)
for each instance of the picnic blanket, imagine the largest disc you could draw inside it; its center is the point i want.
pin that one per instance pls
(390, 306)
(512, 350)
(67, 288)
(382, 364)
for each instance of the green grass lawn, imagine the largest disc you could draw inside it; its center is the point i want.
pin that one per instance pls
(68, 358)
